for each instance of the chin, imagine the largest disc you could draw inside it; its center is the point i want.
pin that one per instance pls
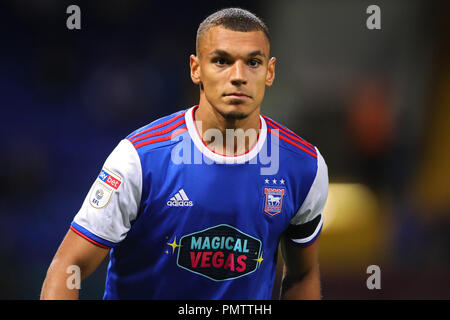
(234, 115)
(234, 111)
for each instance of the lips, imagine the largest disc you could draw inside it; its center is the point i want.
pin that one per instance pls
(237, 95)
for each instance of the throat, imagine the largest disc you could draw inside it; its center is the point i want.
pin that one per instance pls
(228, 137)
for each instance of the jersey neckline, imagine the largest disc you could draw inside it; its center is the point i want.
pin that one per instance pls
(219, 158)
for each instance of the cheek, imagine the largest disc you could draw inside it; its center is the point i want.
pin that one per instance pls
(208, 76)
(213, 82)
(260, 86)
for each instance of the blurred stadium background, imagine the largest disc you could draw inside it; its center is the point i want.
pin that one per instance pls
(376, 102)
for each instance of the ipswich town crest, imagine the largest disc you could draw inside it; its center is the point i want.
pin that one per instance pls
(274, 200)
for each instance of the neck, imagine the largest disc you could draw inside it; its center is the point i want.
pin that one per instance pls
(226, 136)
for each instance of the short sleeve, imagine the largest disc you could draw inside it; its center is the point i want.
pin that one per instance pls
(113, 201)
(306, 225)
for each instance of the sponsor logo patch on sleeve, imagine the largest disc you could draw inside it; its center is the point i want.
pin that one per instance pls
(104, 187)
(110, 179)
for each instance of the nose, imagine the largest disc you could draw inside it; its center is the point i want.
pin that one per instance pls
(238, 74)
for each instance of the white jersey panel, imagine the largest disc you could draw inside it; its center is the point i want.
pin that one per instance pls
(314, 202)
(113, 200)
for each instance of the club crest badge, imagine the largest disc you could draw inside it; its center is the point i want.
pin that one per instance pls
(273, 202)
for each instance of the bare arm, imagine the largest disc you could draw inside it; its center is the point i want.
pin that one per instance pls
(74, 250)
(302, 278)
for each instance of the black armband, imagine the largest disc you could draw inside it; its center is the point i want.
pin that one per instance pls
(301, 232)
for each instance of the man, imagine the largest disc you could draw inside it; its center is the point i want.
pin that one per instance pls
(185, 206)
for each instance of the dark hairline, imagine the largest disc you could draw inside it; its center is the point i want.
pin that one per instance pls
(234, 19)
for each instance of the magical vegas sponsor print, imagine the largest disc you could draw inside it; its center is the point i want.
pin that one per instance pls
(220, 253)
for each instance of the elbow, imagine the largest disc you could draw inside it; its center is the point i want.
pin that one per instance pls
(303, 285)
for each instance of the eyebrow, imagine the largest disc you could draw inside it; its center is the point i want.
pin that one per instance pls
(226, 54)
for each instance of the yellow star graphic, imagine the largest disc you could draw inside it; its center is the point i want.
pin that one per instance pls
(260, 259)
(174, 245)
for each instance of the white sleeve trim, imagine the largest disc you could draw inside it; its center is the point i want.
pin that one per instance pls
(317, 196)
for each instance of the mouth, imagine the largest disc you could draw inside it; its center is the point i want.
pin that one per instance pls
(237, 95)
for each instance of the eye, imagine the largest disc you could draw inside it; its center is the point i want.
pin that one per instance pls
(220, 61)
(254, 63)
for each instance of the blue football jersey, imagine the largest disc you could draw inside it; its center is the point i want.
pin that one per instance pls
(185, 222)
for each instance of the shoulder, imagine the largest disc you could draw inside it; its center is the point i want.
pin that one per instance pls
(158, 133)
(301, 158)
(305, 161)
(288, 140)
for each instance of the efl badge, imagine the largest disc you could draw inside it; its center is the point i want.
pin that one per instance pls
(274, 200)
(104, 187)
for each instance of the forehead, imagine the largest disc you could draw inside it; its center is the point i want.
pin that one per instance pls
(234, 42)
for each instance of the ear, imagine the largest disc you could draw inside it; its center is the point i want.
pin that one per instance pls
(270, 76)
(195, 69)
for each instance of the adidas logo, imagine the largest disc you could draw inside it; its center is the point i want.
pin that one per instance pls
(180, 199)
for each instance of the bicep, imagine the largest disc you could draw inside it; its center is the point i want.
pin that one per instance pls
(299, 260)
(299, 243)
(75, 250)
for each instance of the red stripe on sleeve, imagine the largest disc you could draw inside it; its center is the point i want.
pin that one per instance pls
(290, 134)
(157, 126)
(158, 133)
(294, 138)
(87, 238)
(173, 135)
(293, 143)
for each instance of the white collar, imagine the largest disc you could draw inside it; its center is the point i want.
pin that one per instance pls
(218, 158)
